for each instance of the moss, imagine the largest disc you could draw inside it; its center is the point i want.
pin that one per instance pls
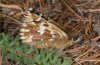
(16, 52)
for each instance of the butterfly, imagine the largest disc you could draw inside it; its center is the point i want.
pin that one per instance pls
(38, 31)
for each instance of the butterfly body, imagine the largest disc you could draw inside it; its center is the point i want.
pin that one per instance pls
(41, 33)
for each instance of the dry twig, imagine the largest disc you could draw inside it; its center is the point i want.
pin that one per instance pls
(11, 6)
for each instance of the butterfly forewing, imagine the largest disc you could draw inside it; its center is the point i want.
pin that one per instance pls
(40, 33)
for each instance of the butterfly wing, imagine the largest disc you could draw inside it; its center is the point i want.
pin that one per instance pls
(43, 34)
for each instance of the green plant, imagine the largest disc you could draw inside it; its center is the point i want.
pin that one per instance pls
(21, 54)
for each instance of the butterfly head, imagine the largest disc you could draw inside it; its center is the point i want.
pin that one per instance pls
(37, 12)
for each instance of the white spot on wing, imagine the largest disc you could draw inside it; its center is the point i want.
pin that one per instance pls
(41, 39)
(33, 23)
(23, 37)
(53, 36)
(52, 32)
(24, 30)
(21, 33)
(24, 24)
(51, 39)
(41, 30)
(38, 18)
(61, 36)
(29, 39)
(28, 19)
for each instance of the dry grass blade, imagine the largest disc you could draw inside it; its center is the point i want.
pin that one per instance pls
(96, 38)
(71, 10)
(11, 6)
(90, 60)
(16, 21)
(83, 57)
